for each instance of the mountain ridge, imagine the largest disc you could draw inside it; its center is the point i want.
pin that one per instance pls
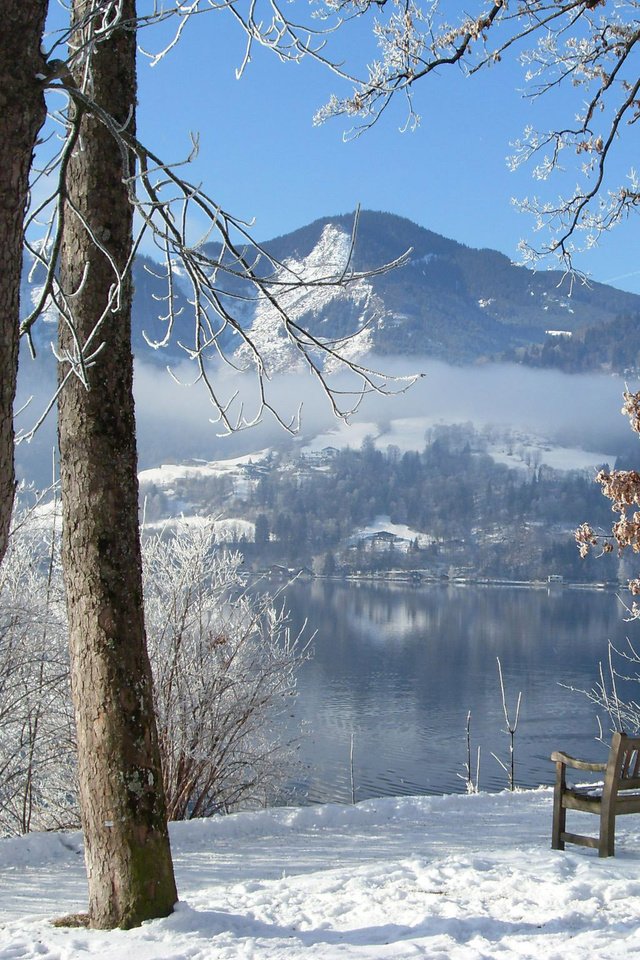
(448, 302)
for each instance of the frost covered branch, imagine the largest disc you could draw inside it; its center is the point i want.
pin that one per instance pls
(587, 49)
(225, 666)
(615, 693)
(224, 663)
(511, 728)
(222, 269)
(622, 488)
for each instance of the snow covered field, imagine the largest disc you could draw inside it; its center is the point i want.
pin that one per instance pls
(456, 877)
(520, 451)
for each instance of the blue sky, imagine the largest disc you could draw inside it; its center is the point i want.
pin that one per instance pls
(261, 157)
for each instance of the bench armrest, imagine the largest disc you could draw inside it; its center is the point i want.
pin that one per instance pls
(568, 761)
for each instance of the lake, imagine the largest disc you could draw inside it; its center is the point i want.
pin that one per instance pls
(397, 668)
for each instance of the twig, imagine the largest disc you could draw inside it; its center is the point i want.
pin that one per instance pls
(353, 781)
(511, 729)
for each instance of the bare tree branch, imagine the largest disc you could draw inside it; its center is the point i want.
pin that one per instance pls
(223, 266)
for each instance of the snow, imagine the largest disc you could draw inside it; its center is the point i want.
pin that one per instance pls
(328, 259)
(572, 458)
(44, 515)
(383, 524)
(427, 258)
(168, 473)
(456, 877)
(538, 451)
(406, 433)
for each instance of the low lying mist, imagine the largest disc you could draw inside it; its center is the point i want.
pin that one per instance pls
(174, 420)
(580, 410)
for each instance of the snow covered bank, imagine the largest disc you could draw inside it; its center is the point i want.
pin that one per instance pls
(461, 877)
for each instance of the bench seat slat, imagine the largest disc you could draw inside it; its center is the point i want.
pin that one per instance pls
(572, 801)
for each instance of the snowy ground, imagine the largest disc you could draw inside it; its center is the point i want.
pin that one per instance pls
(168, 473)
(460, 877)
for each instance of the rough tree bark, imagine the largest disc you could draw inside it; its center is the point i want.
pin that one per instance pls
(127, 851)
(22, 113)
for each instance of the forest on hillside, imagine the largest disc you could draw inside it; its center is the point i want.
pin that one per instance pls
(612, 346)
(460, 511)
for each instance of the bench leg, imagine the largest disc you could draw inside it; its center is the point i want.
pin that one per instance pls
(606, 845)
(559, 825)
(559, 812)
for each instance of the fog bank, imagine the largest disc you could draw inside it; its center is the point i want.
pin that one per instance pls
(174, 420)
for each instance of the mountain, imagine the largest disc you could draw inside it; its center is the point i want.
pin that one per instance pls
(447, 301)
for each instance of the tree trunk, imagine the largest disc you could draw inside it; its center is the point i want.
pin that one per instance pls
(127, 851)
(22, 113)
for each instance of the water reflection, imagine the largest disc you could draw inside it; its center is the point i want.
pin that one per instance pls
(400, 667)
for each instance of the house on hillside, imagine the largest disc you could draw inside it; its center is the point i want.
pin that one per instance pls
(381, 541)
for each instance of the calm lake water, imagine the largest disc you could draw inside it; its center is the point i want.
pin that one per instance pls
(399, 668)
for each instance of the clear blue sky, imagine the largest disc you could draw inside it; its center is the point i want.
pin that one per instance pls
(262, 158)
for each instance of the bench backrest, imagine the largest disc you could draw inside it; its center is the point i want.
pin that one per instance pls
(623, 766)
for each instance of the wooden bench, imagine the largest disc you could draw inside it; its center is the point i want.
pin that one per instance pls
(618, 794)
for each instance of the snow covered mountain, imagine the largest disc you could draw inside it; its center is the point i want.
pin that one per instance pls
(329, 312)
(447, 301)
